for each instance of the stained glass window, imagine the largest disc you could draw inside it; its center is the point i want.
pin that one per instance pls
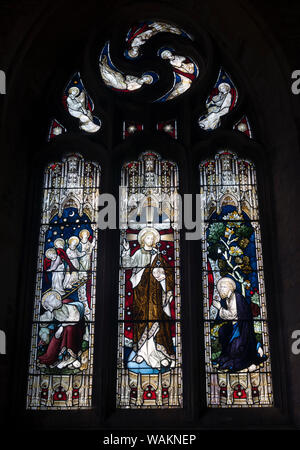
(118, 80)
(149, 358)
(79, 104)
(243, 126)
(139, 34)
(149, 352)
(131, 127)
(62, 345)
(237, 353)
(185, 72)
(221, 101)
(169, 127)
(185, 69)
(55, 129)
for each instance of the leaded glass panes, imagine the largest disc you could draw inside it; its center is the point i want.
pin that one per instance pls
(243, 126)
(237, 353)
(221, 101)
(139, 34)
(185, 69)
(149, 360)
(119, 81)
(79, 105)
(55, 129)
(169, 127)
(185, 72)
(149, 351)
(62, 343)
(131, 127)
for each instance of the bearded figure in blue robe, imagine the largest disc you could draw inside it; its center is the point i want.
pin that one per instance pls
(239, 347)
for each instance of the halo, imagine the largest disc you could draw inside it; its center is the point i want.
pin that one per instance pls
(59, 240)
(74, 89)
(50, 293)
(84, 230)
(164, 49)
(50, 251)
(227, 85)
(228, 280)
(74, 238)
(148, 230)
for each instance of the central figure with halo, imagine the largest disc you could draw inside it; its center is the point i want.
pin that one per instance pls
(153, 286)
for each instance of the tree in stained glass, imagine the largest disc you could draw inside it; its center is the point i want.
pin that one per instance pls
(149, 353)
(62, 343)
(238, 367)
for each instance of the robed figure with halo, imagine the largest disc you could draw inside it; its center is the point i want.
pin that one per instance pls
(153, 286)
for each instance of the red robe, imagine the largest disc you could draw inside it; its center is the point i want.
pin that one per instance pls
(70, 339)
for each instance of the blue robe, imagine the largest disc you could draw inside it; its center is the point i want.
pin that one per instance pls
(238, 341)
